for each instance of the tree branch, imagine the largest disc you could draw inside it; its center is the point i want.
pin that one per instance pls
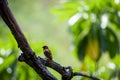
(28, 54)
(37, 63)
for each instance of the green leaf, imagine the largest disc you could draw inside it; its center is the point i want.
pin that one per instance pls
(66, 10)
(102, 35)
(113, 42)
(108, 41)
(81, 48)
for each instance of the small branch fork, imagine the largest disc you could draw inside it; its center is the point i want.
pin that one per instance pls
(28, 56)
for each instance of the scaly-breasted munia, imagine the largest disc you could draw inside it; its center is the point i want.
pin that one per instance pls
(47, 53)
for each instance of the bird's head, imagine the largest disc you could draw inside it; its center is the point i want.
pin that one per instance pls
(45, 47)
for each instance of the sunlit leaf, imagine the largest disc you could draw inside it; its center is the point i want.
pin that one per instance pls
(72, 5)
(92, 49)
(84, 67)
(116, 60)
(67, 10)
(88, 65)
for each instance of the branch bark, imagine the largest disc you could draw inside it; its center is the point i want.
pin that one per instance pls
(37, 63)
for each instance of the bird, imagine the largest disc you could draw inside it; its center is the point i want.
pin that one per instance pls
(47, 53)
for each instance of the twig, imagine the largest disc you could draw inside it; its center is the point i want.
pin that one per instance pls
(37, 63)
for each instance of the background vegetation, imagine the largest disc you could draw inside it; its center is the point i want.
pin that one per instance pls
(89, 42)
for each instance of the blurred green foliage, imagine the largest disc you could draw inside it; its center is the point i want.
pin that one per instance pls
(10, 68)
(95, 26)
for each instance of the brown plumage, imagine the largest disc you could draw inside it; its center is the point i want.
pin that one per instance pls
(47, 52)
